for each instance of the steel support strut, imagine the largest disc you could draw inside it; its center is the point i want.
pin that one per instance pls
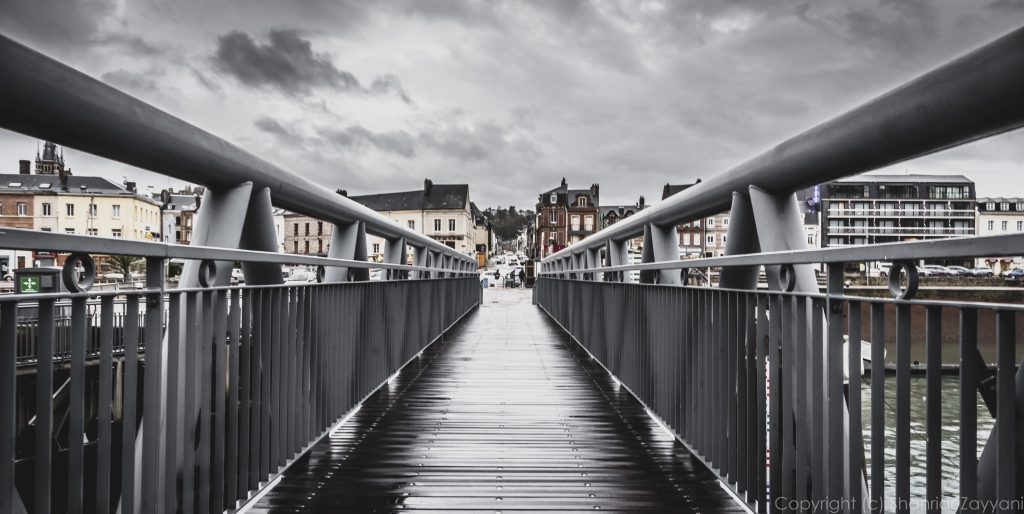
(348, 242)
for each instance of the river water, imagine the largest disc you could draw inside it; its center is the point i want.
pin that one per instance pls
(950, 438)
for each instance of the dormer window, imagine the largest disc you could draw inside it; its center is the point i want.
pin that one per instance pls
(554, 198)
(581, 201)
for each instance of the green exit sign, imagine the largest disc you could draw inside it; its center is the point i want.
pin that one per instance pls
(28, 284)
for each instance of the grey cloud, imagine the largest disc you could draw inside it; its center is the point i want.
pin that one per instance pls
(130, 80)
(279, 131)
(357, 137)
(53, 23)
(286, 63)
(131, 42)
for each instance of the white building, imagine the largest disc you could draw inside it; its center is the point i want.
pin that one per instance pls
(998, 216)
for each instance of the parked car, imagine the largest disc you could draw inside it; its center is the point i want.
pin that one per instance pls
(960, 271)
(1014, 275)
(938, 271)
(982, 272)
(300, 277)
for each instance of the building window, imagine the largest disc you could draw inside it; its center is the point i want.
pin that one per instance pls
(588, 223)
(725, 237)
(1005, 224)
(554, 198)
(92, 210)
(451, 225)
(47, 211)
(69, 210)
(412, 224)
(22, 209)
(92, 231)
(990, 206)
(115, 211)
(991, 225)
(69, 230)
(320, 228)
(46, 229)
(711, 240)
(307, 233)
(711, 222)
(1020, 226)
(177, 220)
(319, 246)
(581, 201)
(295, 246)
(115, 232)
(1004, 206)
(437, 225)
(1020, 206)
(725, 222)
(574, 223)
(376, 248)
(554, 218)
(307, 246)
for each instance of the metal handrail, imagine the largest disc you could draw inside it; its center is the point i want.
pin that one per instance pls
(970, 98)
(24, 239)
(989, 246)
(48, 99)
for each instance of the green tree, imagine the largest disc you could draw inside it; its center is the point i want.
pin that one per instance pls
(124, 264)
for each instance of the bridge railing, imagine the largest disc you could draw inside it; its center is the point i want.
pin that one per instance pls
(757, 382)
(752, 379)
(192, 398)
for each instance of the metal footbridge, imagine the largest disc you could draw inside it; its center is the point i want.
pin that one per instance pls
(423, 391)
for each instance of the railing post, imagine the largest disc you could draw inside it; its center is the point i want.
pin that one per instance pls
(348, 242)
(258, 234)
(616, 254)
(660, 244)
(420, 256)
(742, 238)
(593, 256)
(395, 253)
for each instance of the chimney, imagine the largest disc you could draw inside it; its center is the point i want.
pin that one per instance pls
(428, 185)
(342, 192)
(130, 186)
(641, 202)
(23, 168)
(563, 181)
(63, 175)
(595, 190)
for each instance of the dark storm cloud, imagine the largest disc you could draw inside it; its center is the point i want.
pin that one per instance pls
(286, 62)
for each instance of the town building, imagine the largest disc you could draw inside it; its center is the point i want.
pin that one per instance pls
(178, 212)
(691, 234)
(440, 211)
(872, 209)
(54, 200)
(998, 216)
(483, 235)
(566, 216)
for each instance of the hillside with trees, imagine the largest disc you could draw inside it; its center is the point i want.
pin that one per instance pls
(508, 223)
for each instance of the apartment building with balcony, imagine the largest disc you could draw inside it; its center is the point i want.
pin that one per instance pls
(874, 209)
(998, 216)
(566, 216)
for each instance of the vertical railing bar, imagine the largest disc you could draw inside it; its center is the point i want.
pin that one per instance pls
(267, 336)
(231, 410)
(903, 407)
(129, 418)
(819, 396)
(188, 441)
(175, 432)
(205, 353)
(778, 487)
(8, 402)
(855, 452)
(44, 408)
(835, 402)
(1006, 409)
(968, 409)
(151, 473)
(877, 407)
(219, 385)
(804, 441)
(762, 402)
(104, 398)
(254, 409)
(76, 411)
(933, 418)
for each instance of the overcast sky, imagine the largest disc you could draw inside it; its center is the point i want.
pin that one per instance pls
(509, 97)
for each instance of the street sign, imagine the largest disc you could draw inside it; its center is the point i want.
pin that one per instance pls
(28, 284)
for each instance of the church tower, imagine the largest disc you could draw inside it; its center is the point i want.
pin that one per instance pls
(51, 162)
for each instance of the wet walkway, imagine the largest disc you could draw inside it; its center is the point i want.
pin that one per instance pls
(501, 416)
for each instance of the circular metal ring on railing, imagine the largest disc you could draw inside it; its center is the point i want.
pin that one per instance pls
(787, 277)
(895, 272)
(684, 275)
(207, 273)
(75, 281)
(321, 273)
